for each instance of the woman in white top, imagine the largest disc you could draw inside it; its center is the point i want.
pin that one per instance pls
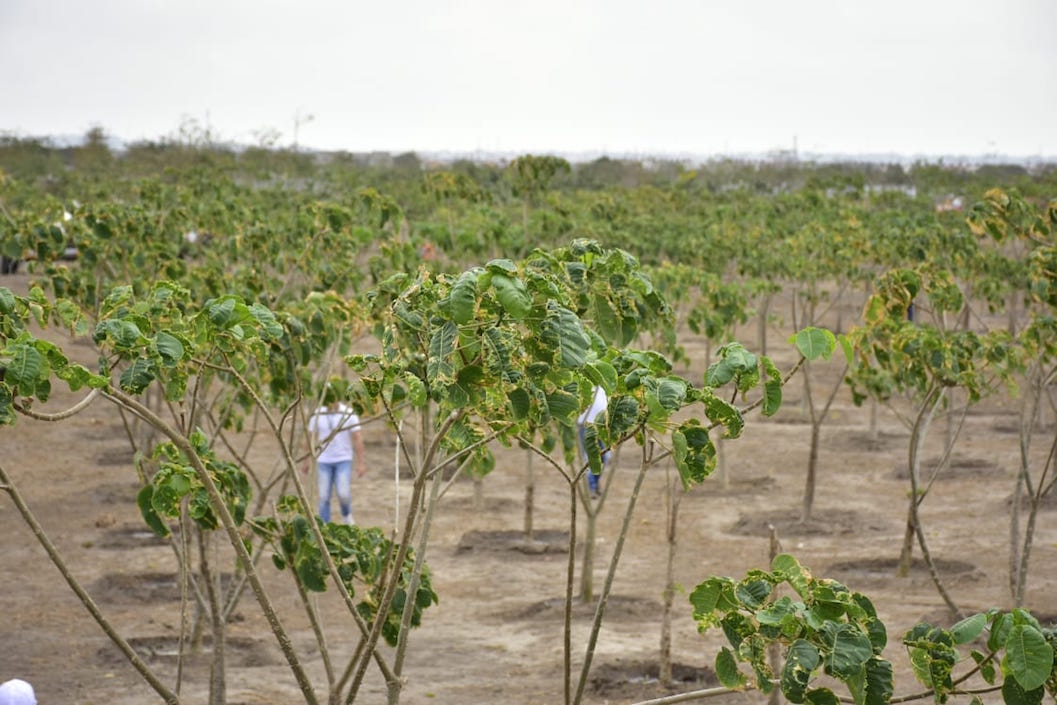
(337, 432)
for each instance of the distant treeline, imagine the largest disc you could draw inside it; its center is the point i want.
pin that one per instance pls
(58, 169)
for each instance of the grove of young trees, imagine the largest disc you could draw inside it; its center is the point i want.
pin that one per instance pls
(473, 306)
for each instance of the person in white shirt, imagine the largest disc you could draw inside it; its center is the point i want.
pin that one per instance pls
(336, 429)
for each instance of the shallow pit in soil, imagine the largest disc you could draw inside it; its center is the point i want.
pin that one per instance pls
(959, 467)
(143, 588)
(239, 652)
(823, 522)
(635, 680)
(542, 541)
(130, 537)
(884, 568)
(618, 607)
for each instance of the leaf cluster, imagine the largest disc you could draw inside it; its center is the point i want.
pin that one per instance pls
(363, 557)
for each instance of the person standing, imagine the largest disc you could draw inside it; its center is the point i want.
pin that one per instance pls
(598, 405)
(336, 430)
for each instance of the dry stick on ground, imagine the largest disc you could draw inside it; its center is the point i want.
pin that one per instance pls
(27, 515)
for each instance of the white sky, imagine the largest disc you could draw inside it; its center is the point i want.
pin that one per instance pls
(924, 77)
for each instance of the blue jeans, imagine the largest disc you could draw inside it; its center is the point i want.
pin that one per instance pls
(338, 476)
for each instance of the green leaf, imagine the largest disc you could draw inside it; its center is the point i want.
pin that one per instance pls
(146, 508)
(801, 660)
(772, 387)
(727, 670)
(720, 411)
(170, 349)
(1000, 631)
(694, 453)
(270, 327)
(123, 334)
(563, 405)
(221, 312)
(778, 612)
(814, 343)
(463, 297)
(7, 301)
(592, 448)
(416, 389)
(788, 568)
(520, 403)
(851, 650)
(513, 296)
(562, 331)
(622, 416)
(879, 681)
(847, 348)
(439, 369)
(987, 666)
(1015, 694)
(734, 362)
(501, 266)
(671, 392)
(138, 375)
(25, 368)
(753, 592)
(1029, 656)
(309, 566)
(7, 408)
(821, 696)
(969, 628)
(613, 327)
(601, 373)
(713, 595)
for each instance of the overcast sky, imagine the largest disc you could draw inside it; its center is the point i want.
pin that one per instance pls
(921, 77)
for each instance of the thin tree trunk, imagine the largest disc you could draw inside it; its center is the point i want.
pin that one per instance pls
(774, 651)
(1014, 536)
(875, 434)
(1029, 412)
(530, 491)
(917, 436)
(812, 471)
(570, 570)
(587, 563)
(721, 463)
(217, 669)
(761, 331)
(673, 497)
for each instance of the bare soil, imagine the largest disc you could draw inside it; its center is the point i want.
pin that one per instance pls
(497, 634)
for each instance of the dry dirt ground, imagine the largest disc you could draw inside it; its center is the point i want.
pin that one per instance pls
(496, 636)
